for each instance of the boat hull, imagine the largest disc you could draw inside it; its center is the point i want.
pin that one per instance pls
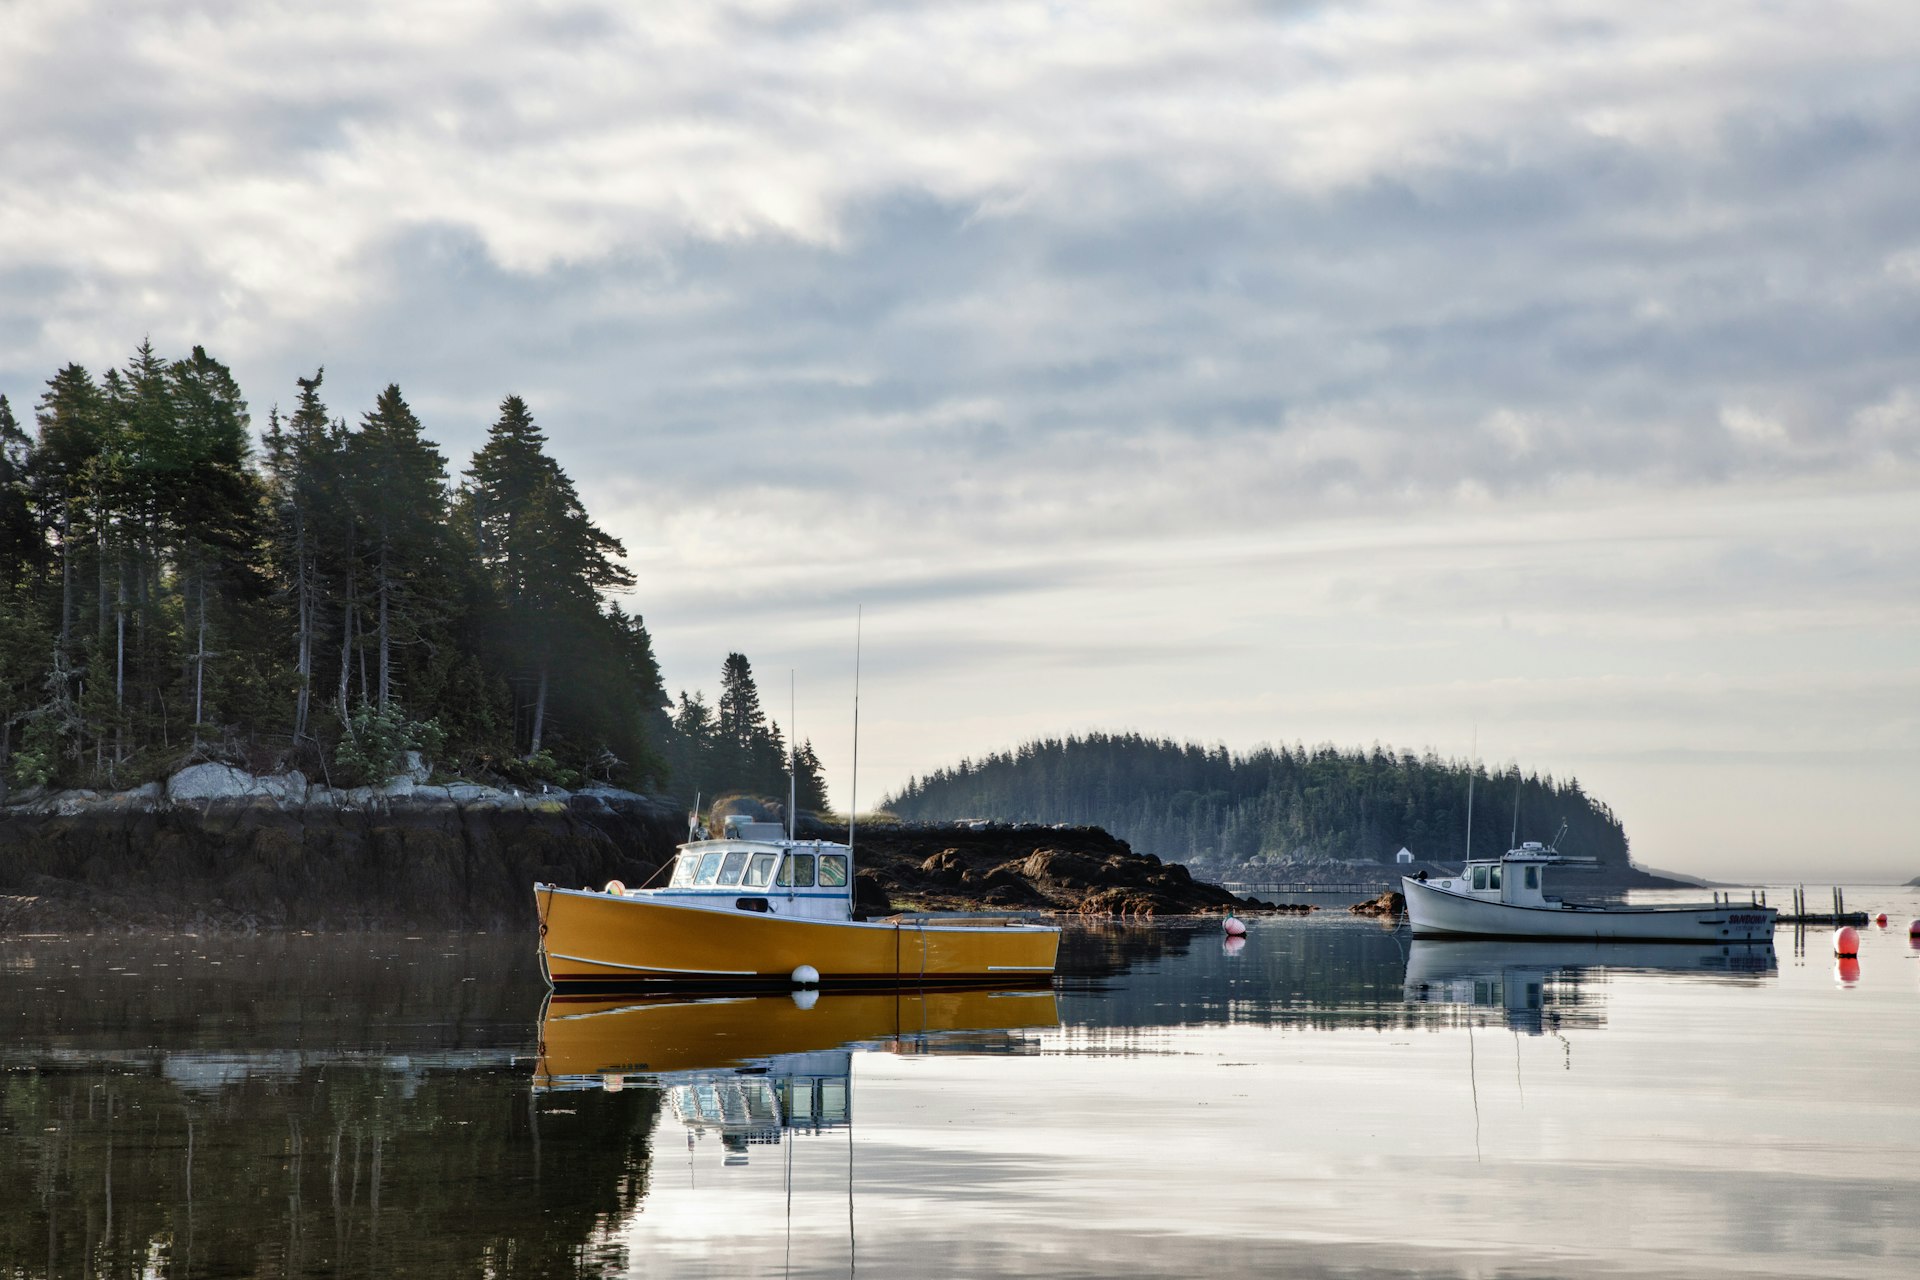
(1436, 912)
(591, 941)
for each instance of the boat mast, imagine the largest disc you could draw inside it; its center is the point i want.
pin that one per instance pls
(793, 754)
(853, 781)
(1513, 841)
(1473, 767)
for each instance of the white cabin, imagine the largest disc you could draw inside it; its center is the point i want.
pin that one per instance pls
(1514, 879)
(762, 870)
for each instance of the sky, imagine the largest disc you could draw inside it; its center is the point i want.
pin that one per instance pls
(1537, 381)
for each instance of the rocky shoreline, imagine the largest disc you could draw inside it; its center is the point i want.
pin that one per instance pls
(218, 849)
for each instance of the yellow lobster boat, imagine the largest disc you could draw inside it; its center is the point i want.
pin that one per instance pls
(756, 907)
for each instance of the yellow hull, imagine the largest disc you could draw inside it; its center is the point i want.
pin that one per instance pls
(592, 940)
(610, 1038)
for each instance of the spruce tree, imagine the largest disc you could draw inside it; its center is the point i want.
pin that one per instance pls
(399, 487)
(546, 559)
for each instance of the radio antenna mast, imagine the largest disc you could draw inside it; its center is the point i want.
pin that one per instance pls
(1473, 767)
(853, 782)
(793, 754)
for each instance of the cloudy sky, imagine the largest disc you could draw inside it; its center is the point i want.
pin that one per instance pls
(1248, 372)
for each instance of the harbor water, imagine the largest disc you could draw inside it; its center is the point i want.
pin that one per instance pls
(1324, 1097)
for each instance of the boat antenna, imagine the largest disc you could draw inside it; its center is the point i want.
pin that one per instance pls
(693, 816)
(1473, 767)
(793, 755)
(1513, 841)
(853, 781)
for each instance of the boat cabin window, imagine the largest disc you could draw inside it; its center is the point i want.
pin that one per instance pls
(709, 868)
(1493, 876)
(797, 871)
(1479, 877)
(730, 869)
(683, 869)
(760, 870)
(833, 869)
(1533, 877)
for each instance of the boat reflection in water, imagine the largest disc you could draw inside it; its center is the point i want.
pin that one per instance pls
(752, 1069)
(1546, 986)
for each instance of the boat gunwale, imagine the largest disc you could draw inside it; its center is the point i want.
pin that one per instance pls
(646, 897)
(1558, 908)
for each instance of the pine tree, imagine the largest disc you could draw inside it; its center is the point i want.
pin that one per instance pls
(546, 559)
(304, 461)
(21, 547)
(692, 747)
(810, 783)
(212, 515)
(400, 490)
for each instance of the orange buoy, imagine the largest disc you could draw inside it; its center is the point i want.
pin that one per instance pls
(1846, 971)
(1234, 928)
(616, 889)
(1846, 943)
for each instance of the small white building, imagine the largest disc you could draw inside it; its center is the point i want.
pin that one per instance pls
(1405, 855)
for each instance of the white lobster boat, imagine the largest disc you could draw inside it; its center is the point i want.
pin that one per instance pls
(1504, 898)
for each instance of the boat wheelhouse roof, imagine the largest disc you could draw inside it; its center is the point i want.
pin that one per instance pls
(1535, 852)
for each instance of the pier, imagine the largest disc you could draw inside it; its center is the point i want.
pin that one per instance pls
(1802, 916)
(1245, 888)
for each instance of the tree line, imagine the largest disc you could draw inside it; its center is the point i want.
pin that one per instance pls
(1224, 812)
(330, 599)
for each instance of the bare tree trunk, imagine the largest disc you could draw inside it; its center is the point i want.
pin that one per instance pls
(539, 711)
(66, 575)
(200, 655)
(346, 646)
(120, 665)
(303, 604)
(386, 653)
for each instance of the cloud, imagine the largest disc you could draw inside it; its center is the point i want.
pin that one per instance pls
(1345, 327)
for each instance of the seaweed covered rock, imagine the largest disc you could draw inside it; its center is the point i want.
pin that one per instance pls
(1078, 870)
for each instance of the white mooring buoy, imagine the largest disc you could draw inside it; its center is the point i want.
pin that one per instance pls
(806, 976)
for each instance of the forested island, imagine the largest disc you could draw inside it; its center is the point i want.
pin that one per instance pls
(1286, 813)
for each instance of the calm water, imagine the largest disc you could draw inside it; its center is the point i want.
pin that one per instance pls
(1328, 1098)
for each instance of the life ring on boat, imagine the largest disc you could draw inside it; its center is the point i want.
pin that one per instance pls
(615, 889)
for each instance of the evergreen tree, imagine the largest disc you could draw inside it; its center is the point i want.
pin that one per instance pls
(810, 783)
(748, 751)
(692, 747)
(399, 487)
(211, 507)
(21, 547)
(546, 559)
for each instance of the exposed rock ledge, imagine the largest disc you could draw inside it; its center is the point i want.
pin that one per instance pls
(217, 847)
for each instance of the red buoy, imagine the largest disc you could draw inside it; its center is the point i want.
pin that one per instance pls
(1881, 919)
(1846, 943)
(1234, 928)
